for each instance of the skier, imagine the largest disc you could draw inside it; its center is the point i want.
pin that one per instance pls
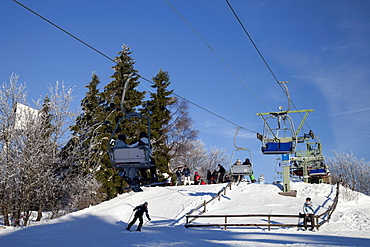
(308, 210)
(141, 209)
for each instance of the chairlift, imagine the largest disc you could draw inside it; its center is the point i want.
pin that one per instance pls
(240, 170)
(130, 159)
(283, 138)
(312, 163)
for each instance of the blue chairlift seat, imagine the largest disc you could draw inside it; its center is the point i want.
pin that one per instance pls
(317, 172)
(278, 148)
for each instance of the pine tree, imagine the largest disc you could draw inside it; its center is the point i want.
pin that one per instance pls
(84, 131)
(119, 97)
(116, 103)
(159, 115)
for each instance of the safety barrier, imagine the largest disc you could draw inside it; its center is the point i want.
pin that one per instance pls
(191, 218)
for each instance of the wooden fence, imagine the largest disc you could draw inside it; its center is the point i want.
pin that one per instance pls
(325, 217)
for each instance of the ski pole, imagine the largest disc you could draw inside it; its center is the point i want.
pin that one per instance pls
(128, 222)
(146, 222)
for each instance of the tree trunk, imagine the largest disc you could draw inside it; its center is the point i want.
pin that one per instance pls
(39, 213)
(6, 217)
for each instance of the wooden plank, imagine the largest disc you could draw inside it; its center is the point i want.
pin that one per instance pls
(231, 224)
(246, 215)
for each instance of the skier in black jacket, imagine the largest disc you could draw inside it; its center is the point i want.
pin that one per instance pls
(141, 209)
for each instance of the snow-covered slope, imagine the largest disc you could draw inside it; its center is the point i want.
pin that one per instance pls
(104, 224)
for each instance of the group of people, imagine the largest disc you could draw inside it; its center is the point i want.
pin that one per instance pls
(248, 163)
(121, 141)
(218, 176)
(184, 172)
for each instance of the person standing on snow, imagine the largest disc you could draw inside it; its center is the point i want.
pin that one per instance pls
(178, 176)
(221, 172)
(261, 179)
(308, 210)
(141, 209)
(186, 172)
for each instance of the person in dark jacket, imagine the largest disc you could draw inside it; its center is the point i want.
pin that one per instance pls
(221, 172)
(186, 172)
(178, 176)
(209, 176)
(214, 177)
(140, 210)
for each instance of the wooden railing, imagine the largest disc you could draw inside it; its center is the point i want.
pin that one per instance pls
(204, 204)
(268, 218)
(327, 214)
(325, 217)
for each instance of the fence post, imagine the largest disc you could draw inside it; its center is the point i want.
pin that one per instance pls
(269, 220)
(225, 222)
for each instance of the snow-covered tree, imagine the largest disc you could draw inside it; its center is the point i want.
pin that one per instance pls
(353, 172)
(33, 173)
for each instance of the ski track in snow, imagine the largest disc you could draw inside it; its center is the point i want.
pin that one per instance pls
(104, 224)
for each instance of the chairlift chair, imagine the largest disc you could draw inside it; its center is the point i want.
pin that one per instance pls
(282, 139)
(130, 159)
(240, 170)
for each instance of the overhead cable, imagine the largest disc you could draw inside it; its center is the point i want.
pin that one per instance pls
(106, 56)
(217, 55)
(263, 59)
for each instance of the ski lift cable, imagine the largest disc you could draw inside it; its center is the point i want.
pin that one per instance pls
(217, 55)
(264, 60)
(63, 30)
(106, 56)
(206, 109)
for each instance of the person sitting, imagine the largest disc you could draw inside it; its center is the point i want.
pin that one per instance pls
(143, 140)
(214, 177)
(227, 179)
(247, 162)
(120, 142)
(309, 211)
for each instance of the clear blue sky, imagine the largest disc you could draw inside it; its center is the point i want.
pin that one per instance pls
(321, 47)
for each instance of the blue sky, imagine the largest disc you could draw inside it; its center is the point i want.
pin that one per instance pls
(321, 47)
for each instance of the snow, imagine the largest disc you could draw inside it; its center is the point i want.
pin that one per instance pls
(104, 224)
